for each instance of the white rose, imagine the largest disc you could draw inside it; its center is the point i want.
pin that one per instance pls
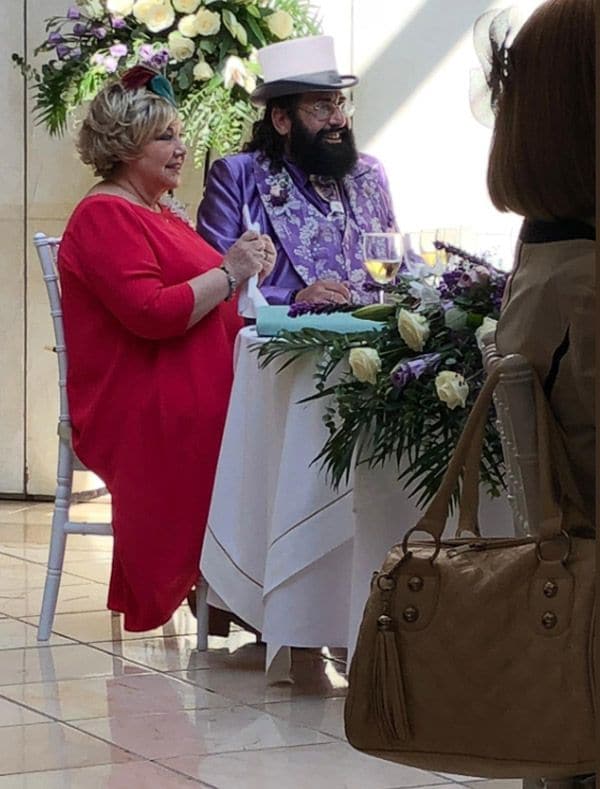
(236, 73)
(207, 22)
(365, 364)
(202, 71)
(119, 7)
(181, 48)
(157, 15)
(280, 24)
(487, 327)
(187, 26)
(141, 9)
(186, 6)
(451, 388)
(413, 328)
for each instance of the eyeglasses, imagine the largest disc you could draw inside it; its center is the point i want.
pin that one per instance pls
(324, 110)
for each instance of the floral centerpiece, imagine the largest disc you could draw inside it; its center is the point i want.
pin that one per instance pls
(406, 390)
(205, 48)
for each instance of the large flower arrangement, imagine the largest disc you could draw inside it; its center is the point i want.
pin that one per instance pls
(406, 390)
(205, 47)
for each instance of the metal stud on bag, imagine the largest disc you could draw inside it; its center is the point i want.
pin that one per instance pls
(384, 622)
(550, 589)
(415, 584)
(549, 620)
(410, 613)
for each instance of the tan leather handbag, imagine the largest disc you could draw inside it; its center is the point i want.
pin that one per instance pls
(475, 655)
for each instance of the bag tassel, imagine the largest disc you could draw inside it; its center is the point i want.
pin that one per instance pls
(389, 703)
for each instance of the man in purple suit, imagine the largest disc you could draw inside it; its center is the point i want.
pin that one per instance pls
(302, 179)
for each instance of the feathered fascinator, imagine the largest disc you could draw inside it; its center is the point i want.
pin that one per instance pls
(146, 77)
(493, 34)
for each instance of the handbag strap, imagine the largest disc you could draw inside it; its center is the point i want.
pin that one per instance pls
(469, 443)
(467, 455)
(551, 516)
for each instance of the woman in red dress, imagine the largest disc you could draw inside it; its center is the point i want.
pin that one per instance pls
(149, 326)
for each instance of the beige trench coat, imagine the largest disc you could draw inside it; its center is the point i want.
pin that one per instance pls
(548, 316)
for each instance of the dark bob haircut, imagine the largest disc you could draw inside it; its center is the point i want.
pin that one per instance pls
(542, 161)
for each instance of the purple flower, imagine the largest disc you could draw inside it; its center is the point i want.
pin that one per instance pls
(146, 52)
(159, 59)
(117, 22)
(451, 278)
(466, 280)
(75, 53)
(63, 51)
(474, 276)
(156, 58)
(73, 13)
(55, 38)
(99, 32)
(110, 64)
(118, 50)
(80, 29)
(409, 370)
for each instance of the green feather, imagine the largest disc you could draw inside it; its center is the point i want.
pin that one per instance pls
(162, 87)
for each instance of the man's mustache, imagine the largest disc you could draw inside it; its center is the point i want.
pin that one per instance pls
(343, 131)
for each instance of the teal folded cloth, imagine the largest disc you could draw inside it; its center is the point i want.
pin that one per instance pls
(272, 319)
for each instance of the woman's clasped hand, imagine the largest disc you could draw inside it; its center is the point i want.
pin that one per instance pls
(251, 254)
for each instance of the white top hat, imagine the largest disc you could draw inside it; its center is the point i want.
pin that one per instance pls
(299, 65)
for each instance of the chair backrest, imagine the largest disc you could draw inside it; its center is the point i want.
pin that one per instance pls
(515, 408)
(47, 250)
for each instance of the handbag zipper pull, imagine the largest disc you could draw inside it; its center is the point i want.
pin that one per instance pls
(472, 546)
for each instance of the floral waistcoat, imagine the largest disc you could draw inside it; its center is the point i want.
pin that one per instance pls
(316, 244)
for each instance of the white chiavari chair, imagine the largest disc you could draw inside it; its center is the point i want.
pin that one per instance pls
(62, 525)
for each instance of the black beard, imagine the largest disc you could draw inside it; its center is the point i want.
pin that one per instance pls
(313, 154)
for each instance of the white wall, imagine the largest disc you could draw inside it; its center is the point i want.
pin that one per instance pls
(12, 284)
(413, 57)
(414, 60)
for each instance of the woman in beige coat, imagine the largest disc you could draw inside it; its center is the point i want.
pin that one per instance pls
(542, 166)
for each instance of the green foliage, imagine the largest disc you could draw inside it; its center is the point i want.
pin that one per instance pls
(405, 423)
(79, 58)
(214, 119)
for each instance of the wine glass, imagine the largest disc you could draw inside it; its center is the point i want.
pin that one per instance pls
(382, 256)
(437, 258)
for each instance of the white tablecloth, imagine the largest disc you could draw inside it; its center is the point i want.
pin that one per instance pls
(288, 554)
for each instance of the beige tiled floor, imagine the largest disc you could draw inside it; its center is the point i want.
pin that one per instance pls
(97, 707)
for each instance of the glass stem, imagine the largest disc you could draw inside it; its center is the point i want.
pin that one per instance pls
(381, 294)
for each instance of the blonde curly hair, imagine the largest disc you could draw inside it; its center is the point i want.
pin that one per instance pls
(118, 124)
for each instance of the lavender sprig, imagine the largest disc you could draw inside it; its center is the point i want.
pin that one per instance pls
(460, 253)
(317, 308)
(372, 287)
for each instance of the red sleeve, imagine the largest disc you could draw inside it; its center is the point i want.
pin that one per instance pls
(107, 246)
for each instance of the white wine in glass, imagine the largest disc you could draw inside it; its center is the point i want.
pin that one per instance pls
(382, 256)
(382, 271)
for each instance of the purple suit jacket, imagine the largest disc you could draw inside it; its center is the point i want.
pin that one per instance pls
(311, 243)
